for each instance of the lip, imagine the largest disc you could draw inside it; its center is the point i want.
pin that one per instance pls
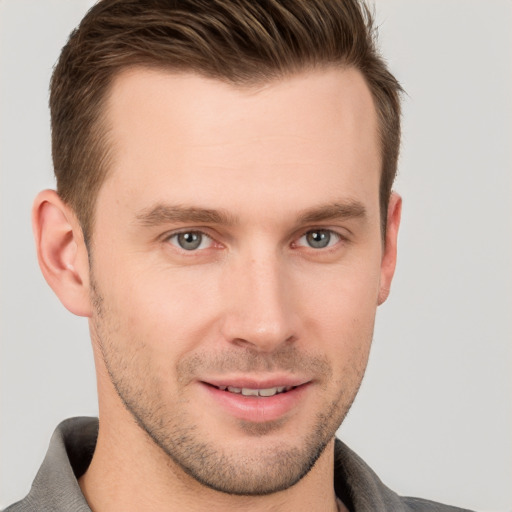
(256, 383)
(256, 409)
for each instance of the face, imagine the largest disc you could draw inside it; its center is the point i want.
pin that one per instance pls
(236, 267)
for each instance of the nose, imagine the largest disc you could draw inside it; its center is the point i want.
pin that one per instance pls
(259, 312)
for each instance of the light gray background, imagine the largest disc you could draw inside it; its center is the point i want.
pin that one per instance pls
(434, 415)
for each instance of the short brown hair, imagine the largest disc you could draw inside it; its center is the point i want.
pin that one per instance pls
(242, 42)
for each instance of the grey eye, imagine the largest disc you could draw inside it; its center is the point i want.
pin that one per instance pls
(190, 240)
(319, 238)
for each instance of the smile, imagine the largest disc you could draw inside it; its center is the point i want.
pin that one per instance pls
(257, 402)
(266, 392)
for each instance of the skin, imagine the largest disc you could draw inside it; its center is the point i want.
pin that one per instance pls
(271, 165)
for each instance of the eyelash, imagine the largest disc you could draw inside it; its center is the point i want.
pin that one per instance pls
(324, 231)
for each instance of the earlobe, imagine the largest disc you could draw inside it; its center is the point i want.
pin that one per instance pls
(61, 251)
(388, 263)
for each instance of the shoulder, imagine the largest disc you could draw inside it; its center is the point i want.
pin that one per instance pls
(55, 487)
(421, 505)
(361, 489)
(21, 506)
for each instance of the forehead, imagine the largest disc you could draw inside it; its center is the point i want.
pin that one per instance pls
(186, 138)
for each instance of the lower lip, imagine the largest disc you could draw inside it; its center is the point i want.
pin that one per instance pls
(257, 409)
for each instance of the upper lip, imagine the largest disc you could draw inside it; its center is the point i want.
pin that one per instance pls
(257, 383)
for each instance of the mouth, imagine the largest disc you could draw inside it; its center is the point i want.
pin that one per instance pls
(257, 402)
(260, 392)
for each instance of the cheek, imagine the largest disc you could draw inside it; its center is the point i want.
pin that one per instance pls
(168, 310)
(340, 314)
(344, 296)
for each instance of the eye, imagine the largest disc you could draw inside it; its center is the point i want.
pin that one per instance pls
(191, 240)
(319, 238)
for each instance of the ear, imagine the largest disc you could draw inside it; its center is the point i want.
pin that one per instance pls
(61, 251)
(388, 264)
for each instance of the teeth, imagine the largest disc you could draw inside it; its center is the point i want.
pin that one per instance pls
(256, 392)
(249, 392)
(268, 392)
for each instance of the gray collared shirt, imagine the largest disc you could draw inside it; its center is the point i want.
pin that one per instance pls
(55, 487)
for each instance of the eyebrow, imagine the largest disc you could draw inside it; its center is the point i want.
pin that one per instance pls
(334, 211)
(166, 213)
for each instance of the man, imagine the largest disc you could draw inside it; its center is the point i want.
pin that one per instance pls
(224, 218)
